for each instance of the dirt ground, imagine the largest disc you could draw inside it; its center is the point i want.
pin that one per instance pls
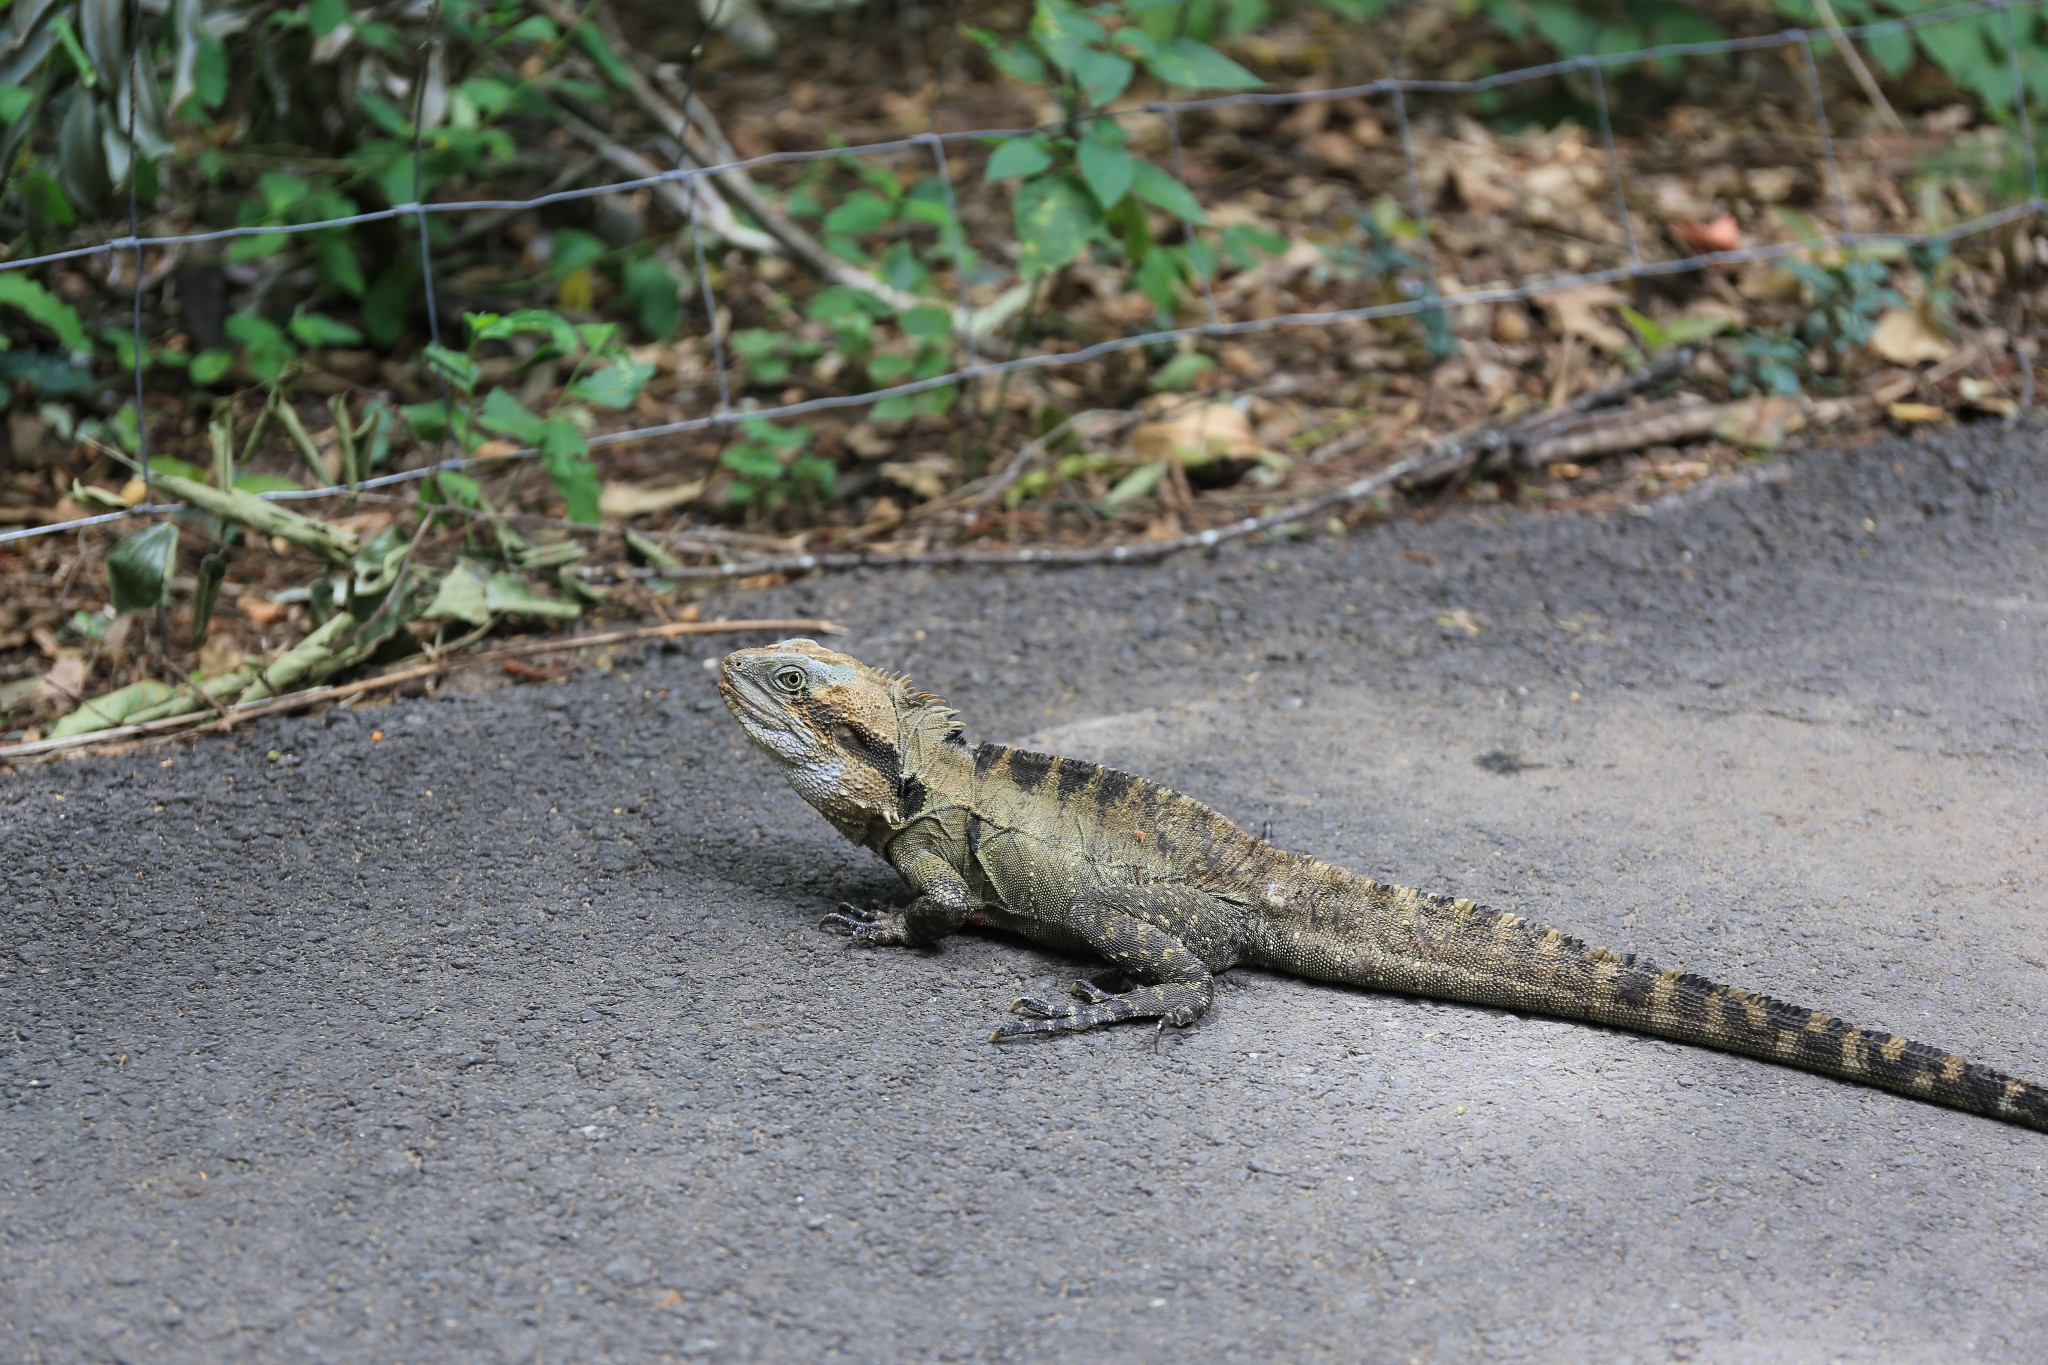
(495, 1025)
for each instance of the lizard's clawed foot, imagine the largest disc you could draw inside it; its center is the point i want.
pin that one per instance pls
(1175, 1003)
(867, 928)
(1096, 991)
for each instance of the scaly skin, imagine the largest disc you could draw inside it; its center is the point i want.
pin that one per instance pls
(1169, 892)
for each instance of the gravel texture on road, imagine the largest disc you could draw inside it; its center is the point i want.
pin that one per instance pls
(495, 1025)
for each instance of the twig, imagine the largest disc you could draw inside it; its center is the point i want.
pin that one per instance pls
(1856, 66)
(299, 701)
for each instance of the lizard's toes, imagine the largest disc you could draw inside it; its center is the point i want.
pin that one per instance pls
(1041, 1009)
(1089, 991)
(841, 923)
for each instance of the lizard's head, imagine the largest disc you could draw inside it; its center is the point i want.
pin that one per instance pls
(845, 735)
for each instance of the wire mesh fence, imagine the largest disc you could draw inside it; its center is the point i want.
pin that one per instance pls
(1633, 255)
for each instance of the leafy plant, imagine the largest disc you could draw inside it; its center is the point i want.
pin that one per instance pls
(771, 467)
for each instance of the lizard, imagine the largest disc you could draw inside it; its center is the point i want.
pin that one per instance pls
(1169, 892)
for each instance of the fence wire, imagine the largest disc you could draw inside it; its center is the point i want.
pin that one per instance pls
(1394, 91)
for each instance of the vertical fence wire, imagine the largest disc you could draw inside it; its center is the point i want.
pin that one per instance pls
(2019, 100)
(1198, 250)
(1827, 137)
(1434, 284)
(1628, 231)
(428, 52)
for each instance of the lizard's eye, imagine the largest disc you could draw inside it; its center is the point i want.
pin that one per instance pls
(789, 679)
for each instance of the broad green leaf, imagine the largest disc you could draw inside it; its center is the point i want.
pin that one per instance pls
(1055, 215)
(1136, 484)
(139, 568)
(861, 212)
(338, 261)
(263, 342)
(1201, 67)
(461, 596)
(209, 365)
(1102, 75)
(505, 414)
(651, 289)
(615, 386)
(267, 483)
(573, 249)
(213, 571)
(1159, 189)
(456, 367)
(1018, 156)
(1063, 31)
(566, 456)
(1158, 279)
(14, 101)
(929, 322)
(210, 72)
(318, 329)
(325, 16)
(510, 594)
(17, 290)
(1182, 372)
(1106, 164)
(171, 464)
(115, 708)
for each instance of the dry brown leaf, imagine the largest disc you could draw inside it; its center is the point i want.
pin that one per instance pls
(1903, 337)
(1576, 313)
(622, 500)
(1915, 412)
(928, 476)
(1202, 428)
(65, 681)
(261, 610)
(1985, 396)
(1717, 234)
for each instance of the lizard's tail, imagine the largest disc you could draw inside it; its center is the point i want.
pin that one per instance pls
(1454, 949)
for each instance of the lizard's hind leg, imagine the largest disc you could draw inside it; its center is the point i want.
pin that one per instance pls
(1181, 988)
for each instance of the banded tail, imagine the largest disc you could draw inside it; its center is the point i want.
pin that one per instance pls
(1423, 944)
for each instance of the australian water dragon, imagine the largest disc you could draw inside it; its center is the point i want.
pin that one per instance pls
(1091, 860)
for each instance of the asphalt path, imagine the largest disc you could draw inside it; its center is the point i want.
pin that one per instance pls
(495, 1025)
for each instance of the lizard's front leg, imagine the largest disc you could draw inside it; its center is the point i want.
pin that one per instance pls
(942, 906)
(1123, 926)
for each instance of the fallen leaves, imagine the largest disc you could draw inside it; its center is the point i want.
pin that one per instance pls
(622, 501)
(1579, 313)
(1201, 429)
(1903, 336)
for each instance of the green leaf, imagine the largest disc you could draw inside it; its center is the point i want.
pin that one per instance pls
(1055, 215)
(1062, 31)
(1201, 67)
(1182, 372)
(929, 322)
(318, 329)
(452, 365)
(115, 708)
(506, 415)
(263, 343)
(213, 571)
(171, 464)
(139, 568)
(325, 16)
(210, 364)
(615, 386)
(651, 289)
(592, 41)
(14, 101)
(1106, 164)
(17, 290)
(861, 212)
(387, 304)
(1018, 156)
(338, 263)
(1136, 484)
(510, 594)
(267, 483)
(1159, 189)
(461, 597)
(565, 455)
(210, 72)
(755, 462)
(1103, 75)
(1158, 279)
(573, 248)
